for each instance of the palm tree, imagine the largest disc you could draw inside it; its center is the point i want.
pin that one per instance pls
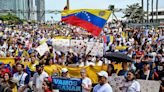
(147, 11)
(156, 11)
(152, 12)
(142, 5)
(134, 13)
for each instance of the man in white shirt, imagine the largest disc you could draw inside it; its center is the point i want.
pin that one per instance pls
(103, 85)
(86, 82)
(21, 76)
(39, 78)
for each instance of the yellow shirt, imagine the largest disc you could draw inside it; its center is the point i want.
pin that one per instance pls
(32, 66)
(14, 89)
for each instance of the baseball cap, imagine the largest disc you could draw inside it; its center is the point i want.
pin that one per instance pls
(64, 70)
(103, 74)
(83, 71)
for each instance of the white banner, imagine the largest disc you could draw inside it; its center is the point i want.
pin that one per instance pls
(61, 44)
(95, 48)
(79, 46)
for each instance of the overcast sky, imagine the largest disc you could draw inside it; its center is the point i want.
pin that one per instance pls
(92, 4)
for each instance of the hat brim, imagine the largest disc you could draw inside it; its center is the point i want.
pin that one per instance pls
(99, 74)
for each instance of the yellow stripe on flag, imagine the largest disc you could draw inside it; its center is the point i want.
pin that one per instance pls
(100, 13)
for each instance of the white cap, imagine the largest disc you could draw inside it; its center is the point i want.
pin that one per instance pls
(64, 70)
(103, 73)
(58, 52)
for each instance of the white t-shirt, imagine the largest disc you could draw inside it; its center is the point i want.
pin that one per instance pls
(104, 88)
(135, 87)
(86, 81)
(38, 80)
(99, 63)
(131, 40)
(21, 78)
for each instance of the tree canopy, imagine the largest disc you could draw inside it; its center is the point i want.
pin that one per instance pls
(11, 18)
(134, 13)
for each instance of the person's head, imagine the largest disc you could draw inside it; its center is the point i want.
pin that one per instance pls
(55, 72)
(13, 82)
(83, 73)
(7, 76)
(130, 75)
(146, 65)
(32, 60)
(102, 77)
(1, 65)
(125, 65)
(110, 69)
(47, 84)
(51, 61)
(64, 72)
(20, 67)
(39, 68)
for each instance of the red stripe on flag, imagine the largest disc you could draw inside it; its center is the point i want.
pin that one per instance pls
(105, 39)
(94, 30)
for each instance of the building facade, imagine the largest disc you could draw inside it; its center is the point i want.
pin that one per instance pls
(40, 8)
(160, 17)
(25, 9)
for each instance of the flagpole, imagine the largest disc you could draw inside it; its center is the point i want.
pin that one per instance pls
(68, 4)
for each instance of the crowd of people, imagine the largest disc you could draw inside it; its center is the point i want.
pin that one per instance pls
(144, 45)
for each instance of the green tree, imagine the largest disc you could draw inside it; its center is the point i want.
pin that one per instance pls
(11, 18)
(134, 13)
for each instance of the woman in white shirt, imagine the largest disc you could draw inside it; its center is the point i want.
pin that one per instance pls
(86, 82)
(132, 85)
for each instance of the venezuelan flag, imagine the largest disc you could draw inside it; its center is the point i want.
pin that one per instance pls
(91, 20)
(108, 38)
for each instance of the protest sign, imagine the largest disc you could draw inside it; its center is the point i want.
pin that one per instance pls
(95, 48)
(78, 46)
(67, 84)
(61, 44)
(119, 84)
(42, 49)
(116, 82)
(149, 85)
